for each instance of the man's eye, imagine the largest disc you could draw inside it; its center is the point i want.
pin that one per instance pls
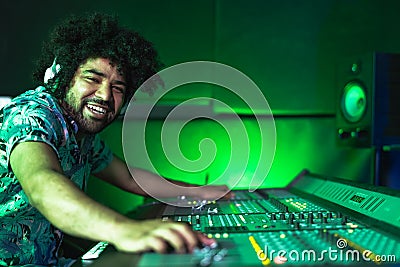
(119, 89)
(92, 79)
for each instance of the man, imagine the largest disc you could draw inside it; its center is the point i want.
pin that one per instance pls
(49, 147)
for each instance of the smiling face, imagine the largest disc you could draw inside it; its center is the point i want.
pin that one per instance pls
(95, 96)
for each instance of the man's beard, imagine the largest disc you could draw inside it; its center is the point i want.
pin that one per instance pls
(86, 125)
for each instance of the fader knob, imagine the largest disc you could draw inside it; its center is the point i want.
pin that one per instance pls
(310, 218)
(291, 218)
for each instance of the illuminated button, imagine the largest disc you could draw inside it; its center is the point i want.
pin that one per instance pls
(217, 235)
(225, 235)
(282, 235)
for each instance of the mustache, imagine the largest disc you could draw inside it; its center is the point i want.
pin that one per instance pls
(100, 102)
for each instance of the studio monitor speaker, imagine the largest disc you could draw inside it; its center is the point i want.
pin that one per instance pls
(368, 104)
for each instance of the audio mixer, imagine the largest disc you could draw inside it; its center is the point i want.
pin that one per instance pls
(313, 221)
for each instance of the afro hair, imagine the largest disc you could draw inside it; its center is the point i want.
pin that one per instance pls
(95, 35)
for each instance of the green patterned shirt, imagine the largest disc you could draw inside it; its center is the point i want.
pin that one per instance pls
(26, 237)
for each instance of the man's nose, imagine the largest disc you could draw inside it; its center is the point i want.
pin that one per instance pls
(104, 92)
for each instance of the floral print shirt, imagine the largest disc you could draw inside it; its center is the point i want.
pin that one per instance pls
(26, 236)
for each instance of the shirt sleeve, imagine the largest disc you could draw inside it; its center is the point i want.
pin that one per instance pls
(29, 121)
(102, 155)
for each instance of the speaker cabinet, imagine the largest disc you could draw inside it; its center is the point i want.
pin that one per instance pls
(368, 104)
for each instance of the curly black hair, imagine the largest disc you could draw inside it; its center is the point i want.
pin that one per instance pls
(94, 35)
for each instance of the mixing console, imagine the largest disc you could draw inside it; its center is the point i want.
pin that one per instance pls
(314, 221)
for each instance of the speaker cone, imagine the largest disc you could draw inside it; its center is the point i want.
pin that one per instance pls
(354, 101)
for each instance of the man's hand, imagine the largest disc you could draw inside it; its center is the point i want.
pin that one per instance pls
(158, 236)
(212, 192)
(207, 192)
(118, 174)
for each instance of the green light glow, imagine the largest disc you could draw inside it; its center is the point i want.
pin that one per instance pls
(301, 143)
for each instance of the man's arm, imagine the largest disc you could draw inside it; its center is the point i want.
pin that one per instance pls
(37, 168)
(117, 173)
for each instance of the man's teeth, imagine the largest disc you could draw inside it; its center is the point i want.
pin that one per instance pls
(97, 109)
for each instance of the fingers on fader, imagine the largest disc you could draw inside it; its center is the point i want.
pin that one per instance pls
(173, 237)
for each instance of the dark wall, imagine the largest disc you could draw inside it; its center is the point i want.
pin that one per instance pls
(181, 30)
(289, 48)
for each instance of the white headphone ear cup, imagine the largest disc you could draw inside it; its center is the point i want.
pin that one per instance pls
(49, 74)
(56, 69)
(51, 71)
